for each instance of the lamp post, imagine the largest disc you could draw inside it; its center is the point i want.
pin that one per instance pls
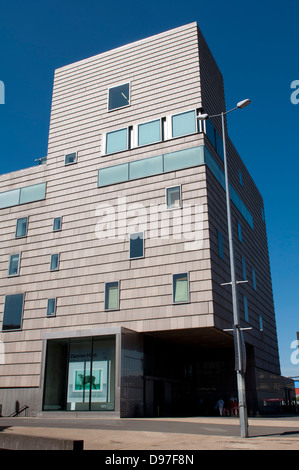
(237, 331)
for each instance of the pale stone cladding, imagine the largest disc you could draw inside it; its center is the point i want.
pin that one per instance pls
(169, 73)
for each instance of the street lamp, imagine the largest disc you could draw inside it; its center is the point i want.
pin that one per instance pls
(237, 331)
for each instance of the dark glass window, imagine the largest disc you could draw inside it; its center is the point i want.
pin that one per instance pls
(136, 245)
(14, 265)
(57, 224)
(119, 96)
(54, 262)
(173, 197)
(13, 312)
(70, 158)
(21, 228)
(51, 308)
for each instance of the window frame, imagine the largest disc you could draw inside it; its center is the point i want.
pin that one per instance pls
(60, 226)
(58, 260)
(70, 163)
(21, 236)
(173, 289)
(127, 82)
(5, 313)
(55, 306)
(106, 299)
(179, 114)
(180, 199)
(136, 257)
(127, 129)
(149, 122)
(19, 263)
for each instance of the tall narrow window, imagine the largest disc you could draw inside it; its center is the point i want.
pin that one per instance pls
(21, 227)
(220, 244)
(14, 265)
(54, 265)
(13, 312)
(253, 279)
(240, 178)
(57, 224)
(239, 231)
(136, 245)
(245, 303)
(112, 296)
(261, 323)
(173, 197)
(51, 308)
(180, 288)
(244, 269)
(119, 96)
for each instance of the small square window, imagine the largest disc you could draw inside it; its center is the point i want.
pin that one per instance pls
(51, 308)
(14, 265)
(180, 288)
(21, 227)
(119, 96)
(70, 158)
(112, 296)
(173, 197)
(57, 224)
(13, 312)
(136, 245)
(54, 266)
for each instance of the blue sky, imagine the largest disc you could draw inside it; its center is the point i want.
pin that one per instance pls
(255, 44)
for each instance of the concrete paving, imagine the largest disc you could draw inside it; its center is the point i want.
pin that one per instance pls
(196, 433)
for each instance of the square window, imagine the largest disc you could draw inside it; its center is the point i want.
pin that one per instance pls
(112, 296)
(116, 141)
(14, 265)
(180, 288)
(119, 96)
(183, 124)
(136, 245)
(13, 312)
(21, 227)
(54, 266)
(173, 197)
(57, 224)
(149, 132)
(51, 308)
(70, 158)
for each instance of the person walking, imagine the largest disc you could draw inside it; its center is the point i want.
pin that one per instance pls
(219, 405)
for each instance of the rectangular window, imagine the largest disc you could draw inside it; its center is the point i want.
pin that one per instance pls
(253, 279)
(14, 265)
(57, 224)
(173, 197)
(119, 96)
(21, 227)
(113, 174)
(180, 288)
(220, 244)
(244, 269)
(9, 198)
(183, 124)
(54, 266)
(149, 132)
(239, 231)
(186, 158)
(117, 141)
(51, 308)
(112, 296)
(136, 245)
(70, 158)
(245, 303)
(261, 323)
(13, 312)
(36, 192)
(146, 167)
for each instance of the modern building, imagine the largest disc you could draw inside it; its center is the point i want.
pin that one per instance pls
(114, 249)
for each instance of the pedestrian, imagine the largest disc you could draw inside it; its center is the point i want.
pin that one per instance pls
(219, 405)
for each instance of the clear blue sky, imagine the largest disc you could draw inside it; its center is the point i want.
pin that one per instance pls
(255, 44)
